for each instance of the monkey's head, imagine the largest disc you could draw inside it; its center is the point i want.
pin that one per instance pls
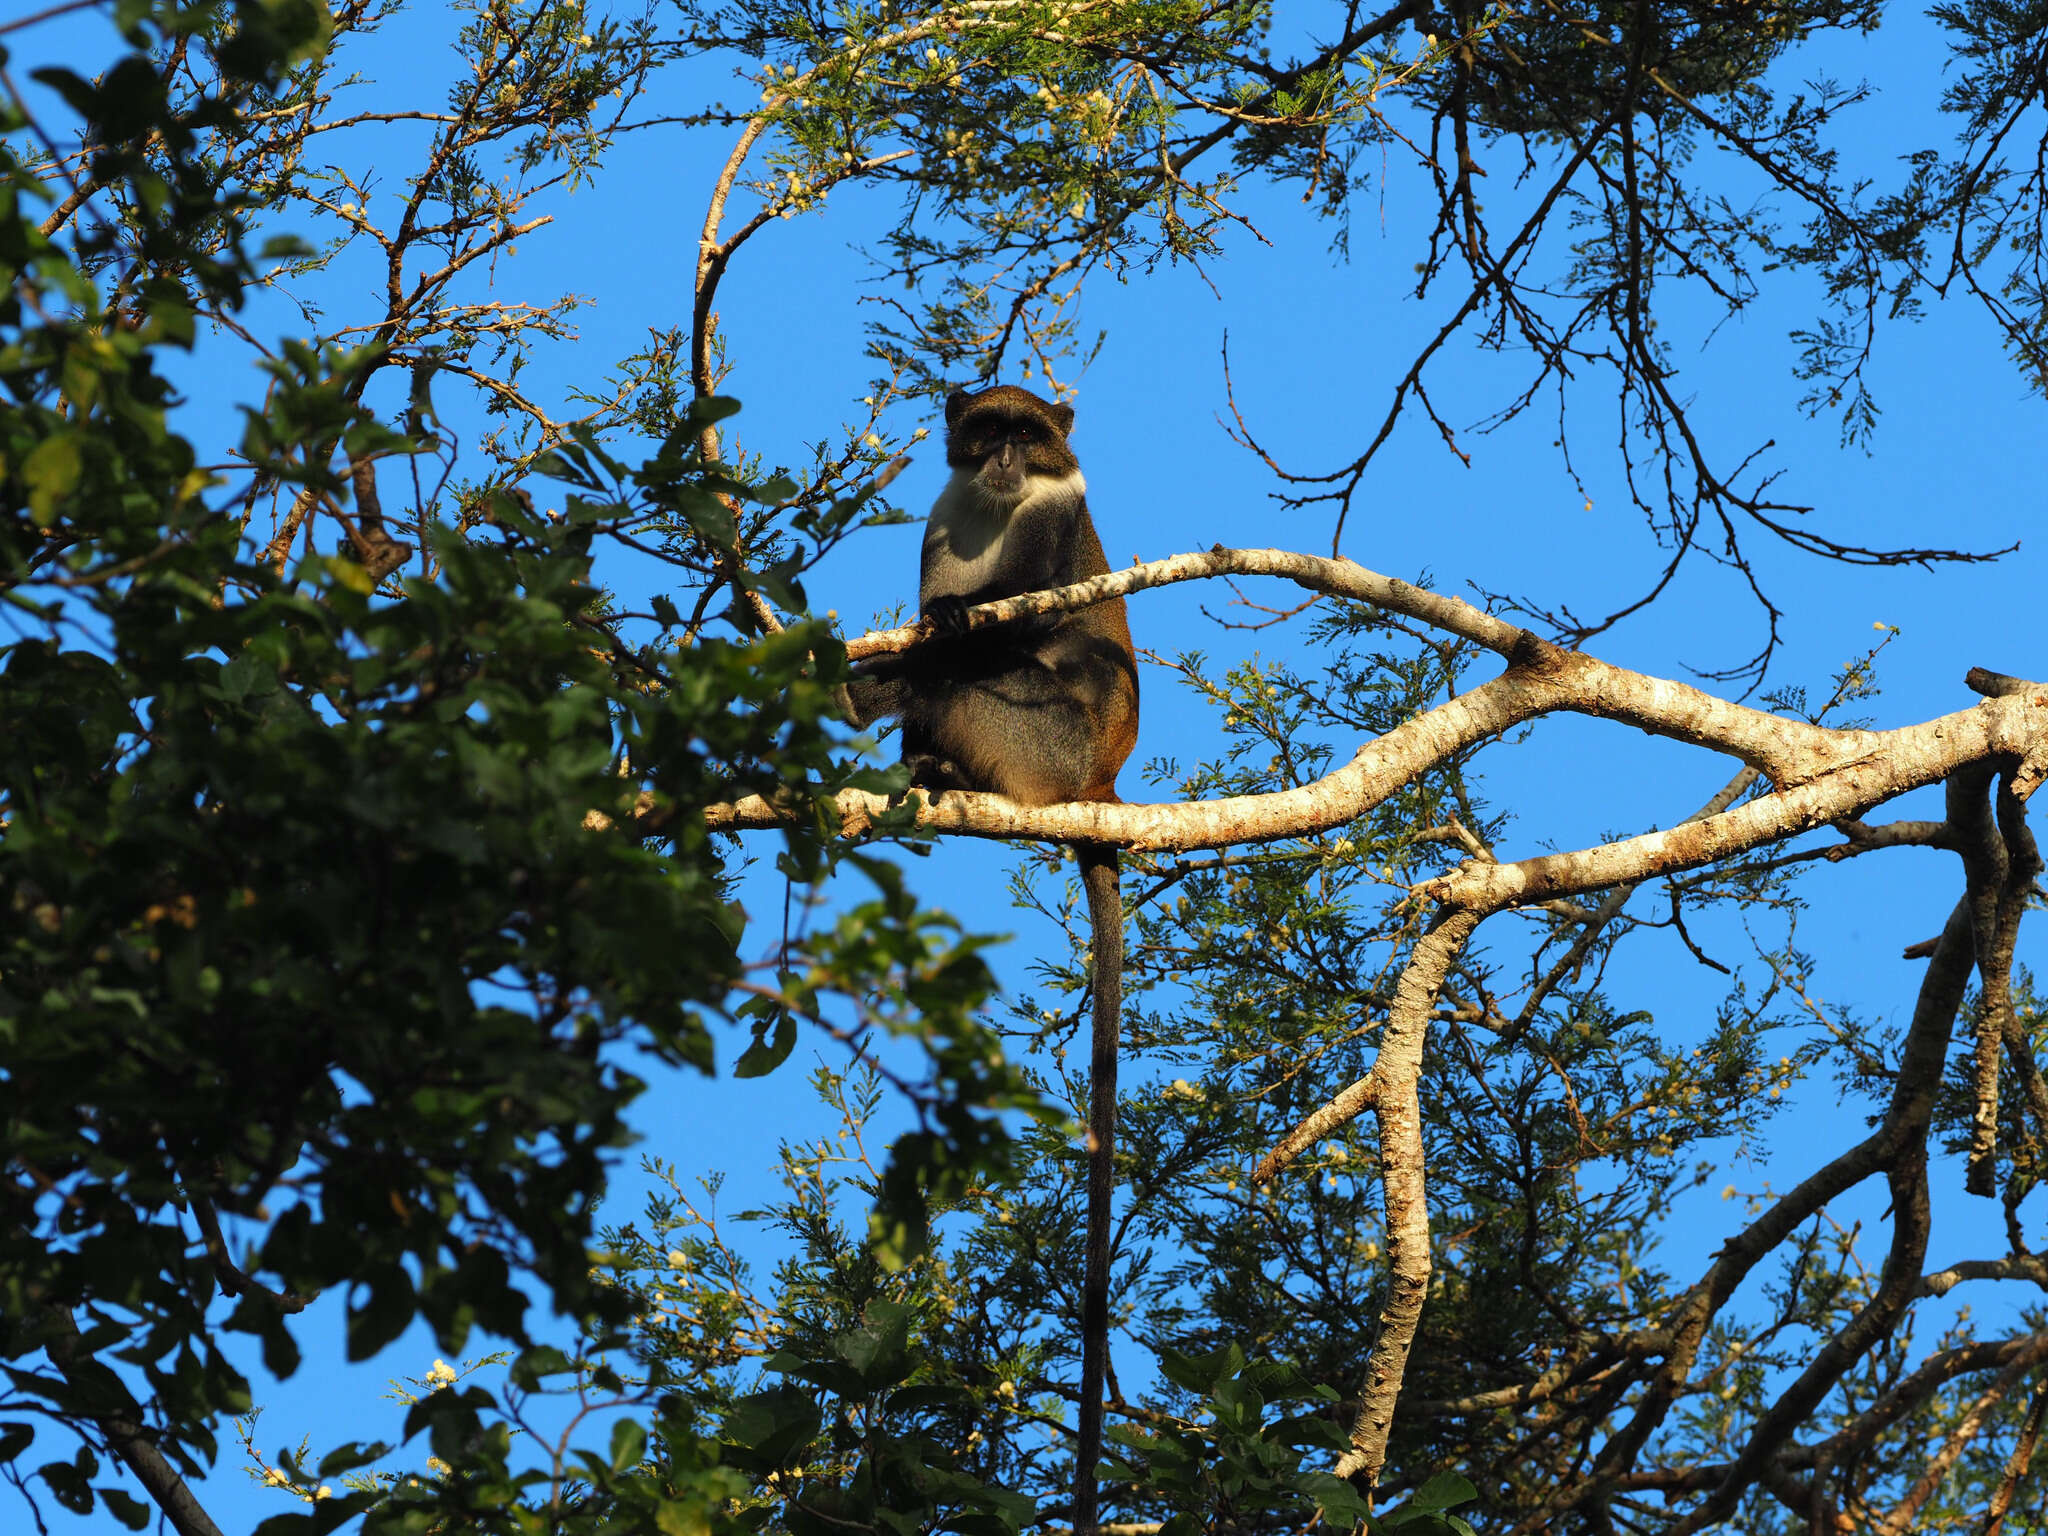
(1005, 437)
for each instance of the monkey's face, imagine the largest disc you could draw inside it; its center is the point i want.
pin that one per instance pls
(1004, 437)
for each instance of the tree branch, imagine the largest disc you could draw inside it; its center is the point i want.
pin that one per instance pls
(1404, 1180)
(110, 1406)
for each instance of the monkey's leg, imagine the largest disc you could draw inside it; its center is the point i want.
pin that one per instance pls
(1021, 731)
(1106, 926)
(929, 766)
(873, 698)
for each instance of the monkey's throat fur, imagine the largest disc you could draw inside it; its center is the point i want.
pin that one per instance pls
(968, 526)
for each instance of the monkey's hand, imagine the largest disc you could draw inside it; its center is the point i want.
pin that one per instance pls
(948, 614)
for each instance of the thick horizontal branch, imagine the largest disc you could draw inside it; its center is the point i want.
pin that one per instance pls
(1816, 778)
(1857, 771)
(1819, 776)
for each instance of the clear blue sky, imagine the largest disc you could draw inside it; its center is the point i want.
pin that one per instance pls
(1316, 346)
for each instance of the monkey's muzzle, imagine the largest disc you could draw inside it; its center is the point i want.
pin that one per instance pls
(1002, 472)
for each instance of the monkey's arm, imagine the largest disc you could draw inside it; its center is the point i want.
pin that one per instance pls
(1039, 550)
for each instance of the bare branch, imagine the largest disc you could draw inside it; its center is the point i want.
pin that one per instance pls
(2016, 1465)
(1402, 1177)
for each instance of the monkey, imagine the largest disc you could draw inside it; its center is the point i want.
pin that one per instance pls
(1043, 710)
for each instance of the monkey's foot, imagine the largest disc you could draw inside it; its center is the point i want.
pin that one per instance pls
(938, 774)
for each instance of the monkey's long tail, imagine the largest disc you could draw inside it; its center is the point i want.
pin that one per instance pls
(1106, 923)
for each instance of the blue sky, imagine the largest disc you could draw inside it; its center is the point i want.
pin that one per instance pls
(1316, 346)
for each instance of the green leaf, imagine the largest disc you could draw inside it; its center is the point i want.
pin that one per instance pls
(1200, 1373)
(1236, 1402)
(1278, 1381)
(355, 577)
(68, 1486)
(1310, 1429)
(926, 1396)
(1444, 1491)
(1340, 1503)
(125, 1507)
(51, 470)
(384, 1316)
(878, 1350)
(346, 1458)
(767, 1428)
(629, 1444)
(237, 678)
(326, 1515)
(766, 1054)
(537, 1363)
(707, 411)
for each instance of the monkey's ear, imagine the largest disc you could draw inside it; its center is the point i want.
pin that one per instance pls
(956, 402)
(1064, 415)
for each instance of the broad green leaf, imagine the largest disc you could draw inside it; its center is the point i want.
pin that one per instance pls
(1444, 1490)
(774, 1039)
(52, 469)
(629, 1444)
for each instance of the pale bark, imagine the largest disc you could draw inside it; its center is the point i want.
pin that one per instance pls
(1402, 1178)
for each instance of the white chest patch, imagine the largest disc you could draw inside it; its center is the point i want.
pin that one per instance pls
(967, 527)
